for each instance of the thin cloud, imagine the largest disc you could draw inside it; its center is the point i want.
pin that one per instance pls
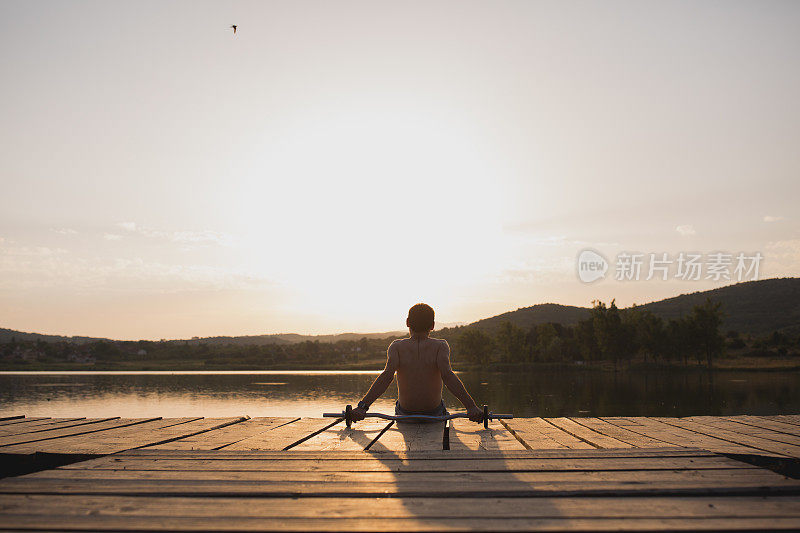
(65, 231)
(128, 226)
(186, 237)
(770, 218)
(31, 267)
(686, 230)
(111, 236)
(199, 237)
(782, 258)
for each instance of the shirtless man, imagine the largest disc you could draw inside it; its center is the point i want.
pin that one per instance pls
(422, 364)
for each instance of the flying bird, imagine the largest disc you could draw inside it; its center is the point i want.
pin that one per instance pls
(234, 28)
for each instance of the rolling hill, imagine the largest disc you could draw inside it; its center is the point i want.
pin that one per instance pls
(755, 307)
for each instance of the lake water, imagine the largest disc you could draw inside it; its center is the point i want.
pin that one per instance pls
(303, 393)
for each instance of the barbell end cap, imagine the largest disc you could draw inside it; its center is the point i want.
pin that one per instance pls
(486, 416)
(348, 415)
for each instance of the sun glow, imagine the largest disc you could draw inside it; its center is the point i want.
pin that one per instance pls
(372, 210)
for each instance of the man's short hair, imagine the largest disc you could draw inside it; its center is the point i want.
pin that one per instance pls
(420, 318)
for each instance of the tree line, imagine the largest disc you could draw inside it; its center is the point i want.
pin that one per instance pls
(609, 334)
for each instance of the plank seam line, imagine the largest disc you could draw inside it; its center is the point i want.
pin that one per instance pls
(433, 471)
(484, 493)
(49, 420)
(245, 438)
(514, 433)
(744, 423)
(645, 434)
(78, 422)
(190, 419)
(775, 436)
(314, 434)
(592, 444)
(384, 430)
(546, 516)
(457, 455)
(782, 420)
(611, 436)
(219, 426)
(84, 432)
(721, 438)
(13, 421)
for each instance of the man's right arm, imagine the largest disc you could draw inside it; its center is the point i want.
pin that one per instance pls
(454, 384)
(381, 383)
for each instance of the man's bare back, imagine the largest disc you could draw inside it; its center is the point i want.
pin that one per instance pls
(419, 379)
(422, 365)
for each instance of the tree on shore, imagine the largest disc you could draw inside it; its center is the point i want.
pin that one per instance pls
(615, 338)
(706, 320)
(476, 345)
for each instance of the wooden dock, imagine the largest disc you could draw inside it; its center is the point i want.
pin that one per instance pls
(290, 474)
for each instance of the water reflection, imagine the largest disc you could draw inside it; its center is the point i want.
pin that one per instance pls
(539, 393)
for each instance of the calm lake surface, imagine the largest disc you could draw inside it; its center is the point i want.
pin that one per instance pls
(303, 393)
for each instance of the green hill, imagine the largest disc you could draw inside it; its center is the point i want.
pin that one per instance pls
(756, 307)
(526, 317)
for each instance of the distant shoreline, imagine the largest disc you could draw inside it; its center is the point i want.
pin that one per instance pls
(724, 364)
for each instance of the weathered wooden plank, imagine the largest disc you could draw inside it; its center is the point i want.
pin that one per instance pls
(620, 433)
(69, 506)
(399, 438)
(47, 425)
(67, 440)
(789, 419)
(225, 436)
(412, 437)
(537, 434)
(761, 422)
(623, 421)
(429, 437)
(125, 438)
(474, 455)
(763, 445)
(25, 424)
(682, 437)
(511, 478)
(536, 441)
(340, 437)
(283, 436)
(747, 429)
(114, 441)
(167, 523)
(598, 440)
(386, 462)
(466, 435)
(495, 484)
(8, 441)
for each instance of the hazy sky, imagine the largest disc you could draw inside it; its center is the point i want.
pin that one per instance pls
(335, 162)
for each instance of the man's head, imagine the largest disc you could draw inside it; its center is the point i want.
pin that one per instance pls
(420, 318)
